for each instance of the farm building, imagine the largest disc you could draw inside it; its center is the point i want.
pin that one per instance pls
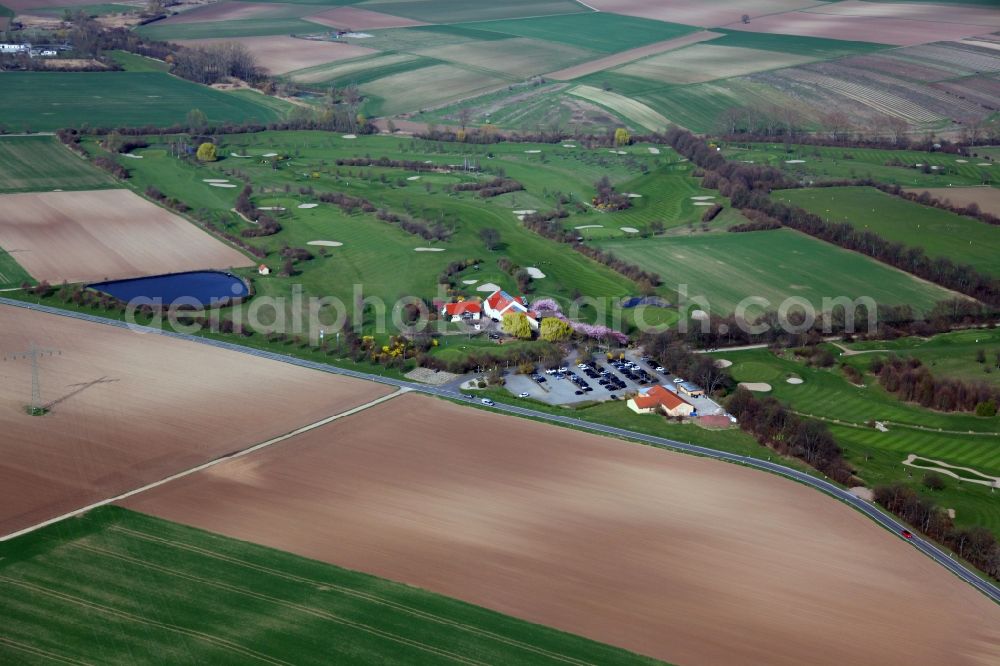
(660, 399)
(500, 303)
(691, 389)
(263, 269)
(465, 310)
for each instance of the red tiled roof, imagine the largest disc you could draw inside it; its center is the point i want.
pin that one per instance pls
(460, 308)
(659, 395)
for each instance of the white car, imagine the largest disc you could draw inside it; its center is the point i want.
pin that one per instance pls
(487, 402)
(678, 380)
(523, 395)
(660, 368)
(563, 369)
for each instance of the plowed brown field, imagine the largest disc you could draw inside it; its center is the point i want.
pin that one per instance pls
(280, 54)
(87, 236)
(686, 559)
(131, 409)
(355, 18)
(987, 198)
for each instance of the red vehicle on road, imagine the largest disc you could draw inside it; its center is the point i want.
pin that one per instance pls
(907, 534)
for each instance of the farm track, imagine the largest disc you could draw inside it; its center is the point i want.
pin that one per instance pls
(883, 519)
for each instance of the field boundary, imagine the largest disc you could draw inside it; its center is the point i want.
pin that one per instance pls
(211, 463)
(874, 512)
(624, 57)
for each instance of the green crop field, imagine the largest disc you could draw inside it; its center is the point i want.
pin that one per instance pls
(359, 70)
(220, 29)
(133, 62)
(938, 232)
(816, 47)
(516, 58)
(462, 11)
(887, 166)
(11, 273)
(607, 33)
(51, 100)
(427, 86)
(33, 163)
(117, 587)
(776, 265)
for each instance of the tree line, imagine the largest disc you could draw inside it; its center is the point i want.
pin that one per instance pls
(911, 381)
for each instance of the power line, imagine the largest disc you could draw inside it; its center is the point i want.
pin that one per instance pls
(35, 353)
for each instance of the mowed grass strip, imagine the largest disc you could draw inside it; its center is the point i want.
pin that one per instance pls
(118, 587)
(12, 275)
(776, 265)
(633, 110)
(243, 28)
(607, 33)
(43, 101)
(32, 163)
(939, 233)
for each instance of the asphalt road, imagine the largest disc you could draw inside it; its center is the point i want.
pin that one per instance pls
(883, 519)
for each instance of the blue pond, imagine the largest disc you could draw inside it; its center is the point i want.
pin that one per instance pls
(194, 288)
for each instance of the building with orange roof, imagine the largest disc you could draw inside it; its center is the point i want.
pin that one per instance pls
(660, 399)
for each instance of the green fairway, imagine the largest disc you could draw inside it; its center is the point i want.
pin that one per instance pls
(32, 163)
(938, 232)
(897, 167)
(462, 11)
(953, 354)
(11, 273)
(776, 265)
(956, 439)
(52, 100)
(607, 33)
(117, 587)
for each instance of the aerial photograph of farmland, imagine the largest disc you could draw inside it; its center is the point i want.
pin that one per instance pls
(516, 332)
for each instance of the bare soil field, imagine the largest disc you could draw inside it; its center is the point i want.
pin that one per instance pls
(895, 31)
(681, 558)
(705, 62)
(228, 11)
(113, 234)
(982, 17)
(698, 12)
(130, 409)
(623, 57)
(988, 198)
(281, 53)
(355, 18)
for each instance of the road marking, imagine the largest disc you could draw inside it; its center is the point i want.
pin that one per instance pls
(211, 463)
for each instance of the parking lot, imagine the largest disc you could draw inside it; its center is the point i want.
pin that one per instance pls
(599, 380)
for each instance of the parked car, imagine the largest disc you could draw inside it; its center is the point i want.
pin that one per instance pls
(523, 394)
(487, 402)
(678, 380)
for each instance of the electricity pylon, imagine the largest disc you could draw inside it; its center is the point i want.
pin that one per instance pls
(34, 354)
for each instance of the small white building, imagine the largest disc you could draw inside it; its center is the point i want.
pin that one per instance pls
(263, 269)
(500, 303)
(15, 48)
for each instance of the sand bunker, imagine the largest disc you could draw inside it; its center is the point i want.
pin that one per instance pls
(349, 136)
(633, 195)
(527, 211)
(703, 197)
(489, 286)
(469, 281)
(307, 205)
(535, 273)
(920, 462)
(532, 152)
(794, 380)
(654, 151)
(271, 208)
(269, 155)
(618, 152)
(984, 164)
(222, 184)
(703, 203)
(759, 387)
(722, 363)
(569, 145)
(962, 161)
(215, 180)
(243, 156)
(630, 230)
(590, 226)
(795, 161)
(130, 155)
(325, 243)
(413, 178)
(699, 315)
(428, 249)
